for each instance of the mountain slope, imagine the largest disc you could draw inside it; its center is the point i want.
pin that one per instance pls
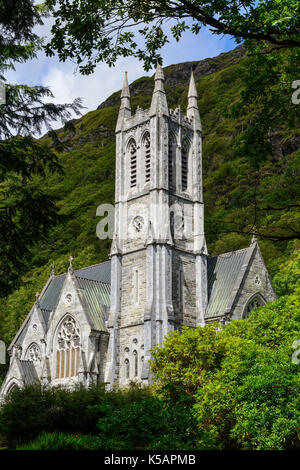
(230, 183)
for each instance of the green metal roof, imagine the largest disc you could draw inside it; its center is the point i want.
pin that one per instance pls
(97, 272)
(222, 274)
(50, 297)
(94, 282)
(96, 294)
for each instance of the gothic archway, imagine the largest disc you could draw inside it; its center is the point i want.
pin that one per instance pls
(33, 353)
(255, 301)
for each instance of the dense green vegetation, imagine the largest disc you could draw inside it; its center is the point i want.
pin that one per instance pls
(26, 209)
(236, 195)
(56, 419)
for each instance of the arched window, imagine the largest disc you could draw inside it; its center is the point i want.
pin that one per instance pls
(184, 164)
(67, 348)
(147, 153)
(172, 161)
(256, 301)
(136, 369)
(33, 353)
(12, 388)
(127, 369)
(132, 153)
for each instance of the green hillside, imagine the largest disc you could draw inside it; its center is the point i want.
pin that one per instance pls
(230, 182)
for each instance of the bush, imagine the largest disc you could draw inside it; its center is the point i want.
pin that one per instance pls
(122, 419)
(149, 424)
(60, 441)
(28, 411)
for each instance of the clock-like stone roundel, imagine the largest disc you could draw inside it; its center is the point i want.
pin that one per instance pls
(138, 223)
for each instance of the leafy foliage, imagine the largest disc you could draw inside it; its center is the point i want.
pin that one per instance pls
(126, 419)
(92, 31)
(26, 210)
(61, 441)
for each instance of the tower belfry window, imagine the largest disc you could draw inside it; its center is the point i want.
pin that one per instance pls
(132, 152)
(171, 161)
(184, 166)
(147, 157)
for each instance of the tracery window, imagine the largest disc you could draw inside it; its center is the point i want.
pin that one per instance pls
(67, 348)
(33, 353)
(133, 162)
(254, 302)
(146, 145)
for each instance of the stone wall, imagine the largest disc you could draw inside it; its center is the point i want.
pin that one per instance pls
(256, 281)
(184, 288)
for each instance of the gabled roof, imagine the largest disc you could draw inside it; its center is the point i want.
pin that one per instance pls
(94, 282)
(224, 275)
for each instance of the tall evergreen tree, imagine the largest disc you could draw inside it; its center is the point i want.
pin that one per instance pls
(26, 212)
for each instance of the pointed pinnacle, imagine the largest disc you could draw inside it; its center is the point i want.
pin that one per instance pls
(125, 91)
(192, 88)
(159, 101)
(159, 74)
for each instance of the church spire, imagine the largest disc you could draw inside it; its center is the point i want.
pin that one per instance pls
(192, 109)
(125, 108)
(159, 100)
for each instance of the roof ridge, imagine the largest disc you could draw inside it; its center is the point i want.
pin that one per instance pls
(92, 280)
(80, 269)
(92, 265)
(229, 252)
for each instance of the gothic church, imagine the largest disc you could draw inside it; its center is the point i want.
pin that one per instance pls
(98, 324)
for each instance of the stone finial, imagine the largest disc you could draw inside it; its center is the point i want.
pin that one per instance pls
(70, 269)
(253, 239)
(125, 108)
(159, 100)
(52, 269)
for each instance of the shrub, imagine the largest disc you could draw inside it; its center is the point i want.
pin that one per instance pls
(148, 424)
(60, 441)
(28, 411)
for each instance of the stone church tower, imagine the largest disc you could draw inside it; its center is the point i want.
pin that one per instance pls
(158, 254)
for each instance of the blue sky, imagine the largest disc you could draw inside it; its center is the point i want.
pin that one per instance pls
(67, 84)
